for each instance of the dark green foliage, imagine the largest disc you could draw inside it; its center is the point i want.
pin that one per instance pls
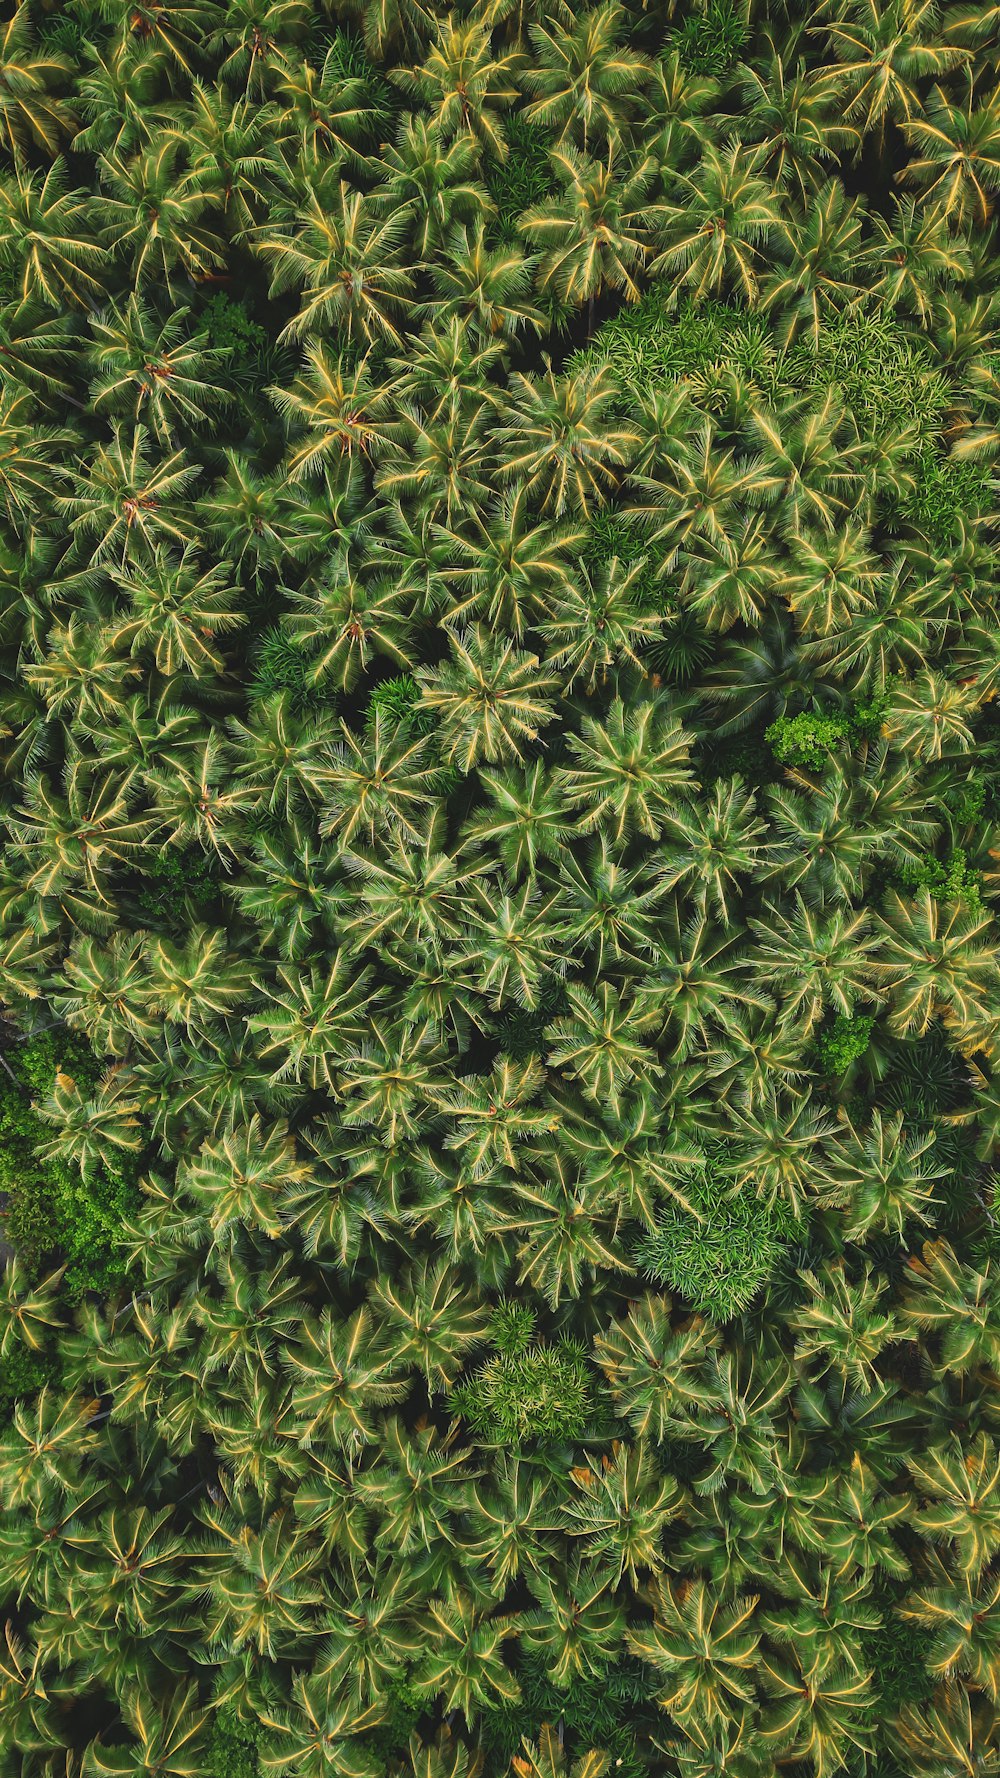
(398, 698)
(232, 1746)
(22, 1374)
(608, 1711)
(522, 180)
(899, 1655)
(51, 1214)
(280, 666)
(175, 885)
(711, 38)
(231, 329)
(945, 496)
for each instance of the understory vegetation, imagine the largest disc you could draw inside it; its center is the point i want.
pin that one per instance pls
(499, 968)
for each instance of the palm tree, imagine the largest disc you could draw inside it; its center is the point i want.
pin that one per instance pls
(487, 286)
(961, 1612)
(176, 612)
(464, 1662)
(238, 1182)
(151, 370)
(795, 121)
(814, 1718)
(627, 771)
(490, 700)
(716, 842)
(524, 818)
(346, 261)
(578, 1624)
(960, 1485)
(598, 624)
(592, 236)
(234, 163)
(250, 44)
(463, 84)
(881, 49)
(318, 1734)
(30, 112)
(312, 1021)
(375, 783)
(325, 115)
(917, 253)
(154, 216)
(546, 1759)
(712, 236)
(586, 82)
(955, 1300)
(433, 1322)
(885, 1176)
(936, 964)
(700, 1649)
(843, 1324)
(959, 168)
(622, 1510)
(47, 233)
(433, 181)
(123, 503)
(507, 563)
(562, 440)
(818, 281)
(169, 1737)
(341, 413)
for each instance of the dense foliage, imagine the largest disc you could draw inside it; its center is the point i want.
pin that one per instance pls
(498, 947)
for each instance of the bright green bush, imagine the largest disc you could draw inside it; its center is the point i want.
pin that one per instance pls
(719, 1258)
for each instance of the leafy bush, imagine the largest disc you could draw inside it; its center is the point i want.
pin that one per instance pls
(719, 1258)
(232, 1746)
(231, 328)
(530, 1390)
(50, 1212)
(280, 665)
(948, 879)
(399, 699)
(524, 179)
(844, 1042)
(710, 40)
(947, 493)
(176, 881)
(806, 739)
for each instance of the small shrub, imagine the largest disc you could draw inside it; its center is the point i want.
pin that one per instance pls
(898, 1655)
(717, 1264)
(399, 699)
(530, 1389)
(49, 1209)
(281, 666)
(947, 879)
(947, 493)
(174, 882)
(603, 1712)
(22, 1374)
(806, 739)
(709, 42)
(232, 1747)
(521, 181)
(230, 328)
(844, 1042)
